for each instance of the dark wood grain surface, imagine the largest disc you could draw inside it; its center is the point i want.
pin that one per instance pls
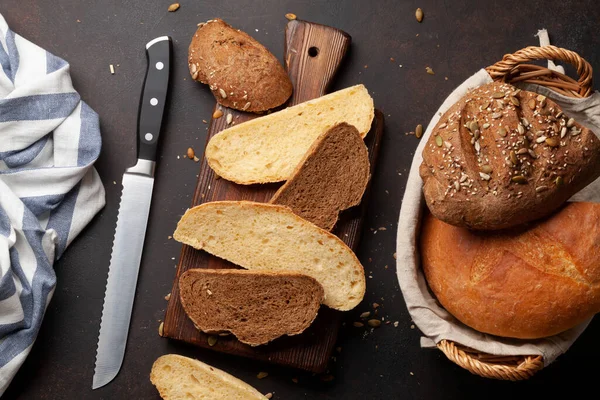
(313, 53)
(455, 39)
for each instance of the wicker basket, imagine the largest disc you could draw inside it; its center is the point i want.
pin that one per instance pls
(513, 69)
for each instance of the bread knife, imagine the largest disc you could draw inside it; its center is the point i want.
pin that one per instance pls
(132, 218)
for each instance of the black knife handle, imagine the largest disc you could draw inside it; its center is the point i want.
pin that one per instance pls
(154, 96)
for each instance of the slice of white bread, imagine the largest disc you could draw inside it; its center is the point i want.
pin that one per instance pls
(259, 236)
(268, 149)
(181, 378)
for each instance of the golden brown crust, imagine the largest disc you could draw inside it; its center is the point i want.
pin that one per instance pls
(241, 72)
(501, 157)
(529, 283)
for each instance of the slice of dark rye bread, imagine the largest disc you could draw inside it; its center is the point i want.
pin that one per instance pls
(331, 178)
(256, 306)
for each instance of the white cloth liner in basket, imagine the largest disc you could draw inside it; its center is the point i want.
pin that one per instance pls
(434, 321)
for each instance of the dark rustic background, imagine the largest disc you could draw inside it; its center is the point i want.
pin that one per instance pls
(456, 38)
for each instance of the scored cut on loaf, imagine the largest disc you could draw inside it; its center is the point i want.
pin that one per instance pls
(240, 72)
(501, 156)
(268, 149)
(259, 236)
(182, 378)
(255, 306)
(529, 282)
(332, 177)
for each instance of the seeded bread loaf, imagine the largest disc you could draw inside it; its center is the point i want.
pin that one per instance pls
(331, 178)
(268, 149)
(531, 282)
(269, 237)
(256, 306)
(241, 72)
(181, 378)
(502, 156)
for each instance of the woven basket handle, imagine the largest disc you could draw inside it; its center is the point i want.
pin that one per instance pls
(503, 68)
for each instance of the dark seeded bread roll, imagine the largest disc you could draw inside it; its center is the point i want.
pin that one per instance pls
(537, 281)
(501, 157)
(241, 72)
(256, 306)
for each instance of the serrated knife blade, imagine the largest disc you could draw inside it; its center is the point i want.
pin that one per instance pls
(132, 218)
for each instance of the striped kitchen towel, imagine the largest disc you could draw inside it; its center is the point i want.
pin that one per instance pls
(49, 189)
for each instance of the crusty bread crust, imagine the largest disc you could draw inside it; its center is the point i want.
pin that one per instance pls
(529, 283)
(241, 72)
(501, 157)
(331, 178)
(255, 306)
(268, 237)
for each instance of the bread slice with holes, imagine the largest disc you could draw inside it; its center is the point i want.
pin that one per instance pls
(255, 306)
(181, 378)
(268, 149)
(331, 178)
(269, 237)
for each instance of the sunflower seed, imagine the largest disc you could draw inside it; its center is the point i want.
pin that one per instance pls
(195, 75)
(222, 93)
(539, 133)
(531, 104)
(447, 144)
(496, 115)
(563, 132)
(522, 151)
(477, 146)
(532, 153)
(457, 186)
(212, 340)
(575, 131)
(374, 323)
(525, 122)
(246, 106)
(497, 95)
(570, 122)
(486, 169)
(500, 104)
(541, 188)
(541, 139)
(552, 142)
(560, 114)
(193, 68)
(521, 129)
(442, 126)
(484, 176)
(520, 179)
(419, 15)
(515, 101)
(502, 132)
(513, 157)
(463, 177)
(439, 141)
(419, 131)
(229, 118)
(161, 329)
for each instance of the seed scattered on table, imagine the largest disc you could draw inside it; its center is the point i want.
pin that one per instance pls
(229, 118)
(366, 314)
(161, 329)
(419, 15)
(429, 71)
(374, 323)
(419, 131)
(190, 153)
(112, 69)
(262, 375)
(358, 324)
(217, 114)
(168, 297)
(212, 340)
(173, 7)
(290, 16)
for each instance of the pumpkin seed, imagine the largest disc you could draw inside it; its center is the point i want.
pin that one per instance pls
(496, 115)
(531, 104)
(439, 141)
(513, 157)
(502, 132)
(486, 169)
(212, 340)
(520, 179)
(497, 95)
(486, 125)
(419, 15)
(515, 101)
(552, 142)
(374, 323)
(559, 181)
(570, 122)
(419, 131)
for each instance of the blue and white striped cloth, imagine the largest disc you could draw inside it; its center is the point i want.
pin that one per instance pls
(49, 189)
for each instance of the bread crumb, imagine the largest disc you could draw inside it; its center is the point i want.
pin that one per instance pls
(392, 59)
(412, 326)
(395, 324)
(204, 121)
(114, 182)
(112, 69)
(169, 237)
(262, 375)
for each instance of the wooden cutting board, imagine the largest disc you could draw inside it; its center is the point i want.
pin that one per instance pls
(313, 54)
